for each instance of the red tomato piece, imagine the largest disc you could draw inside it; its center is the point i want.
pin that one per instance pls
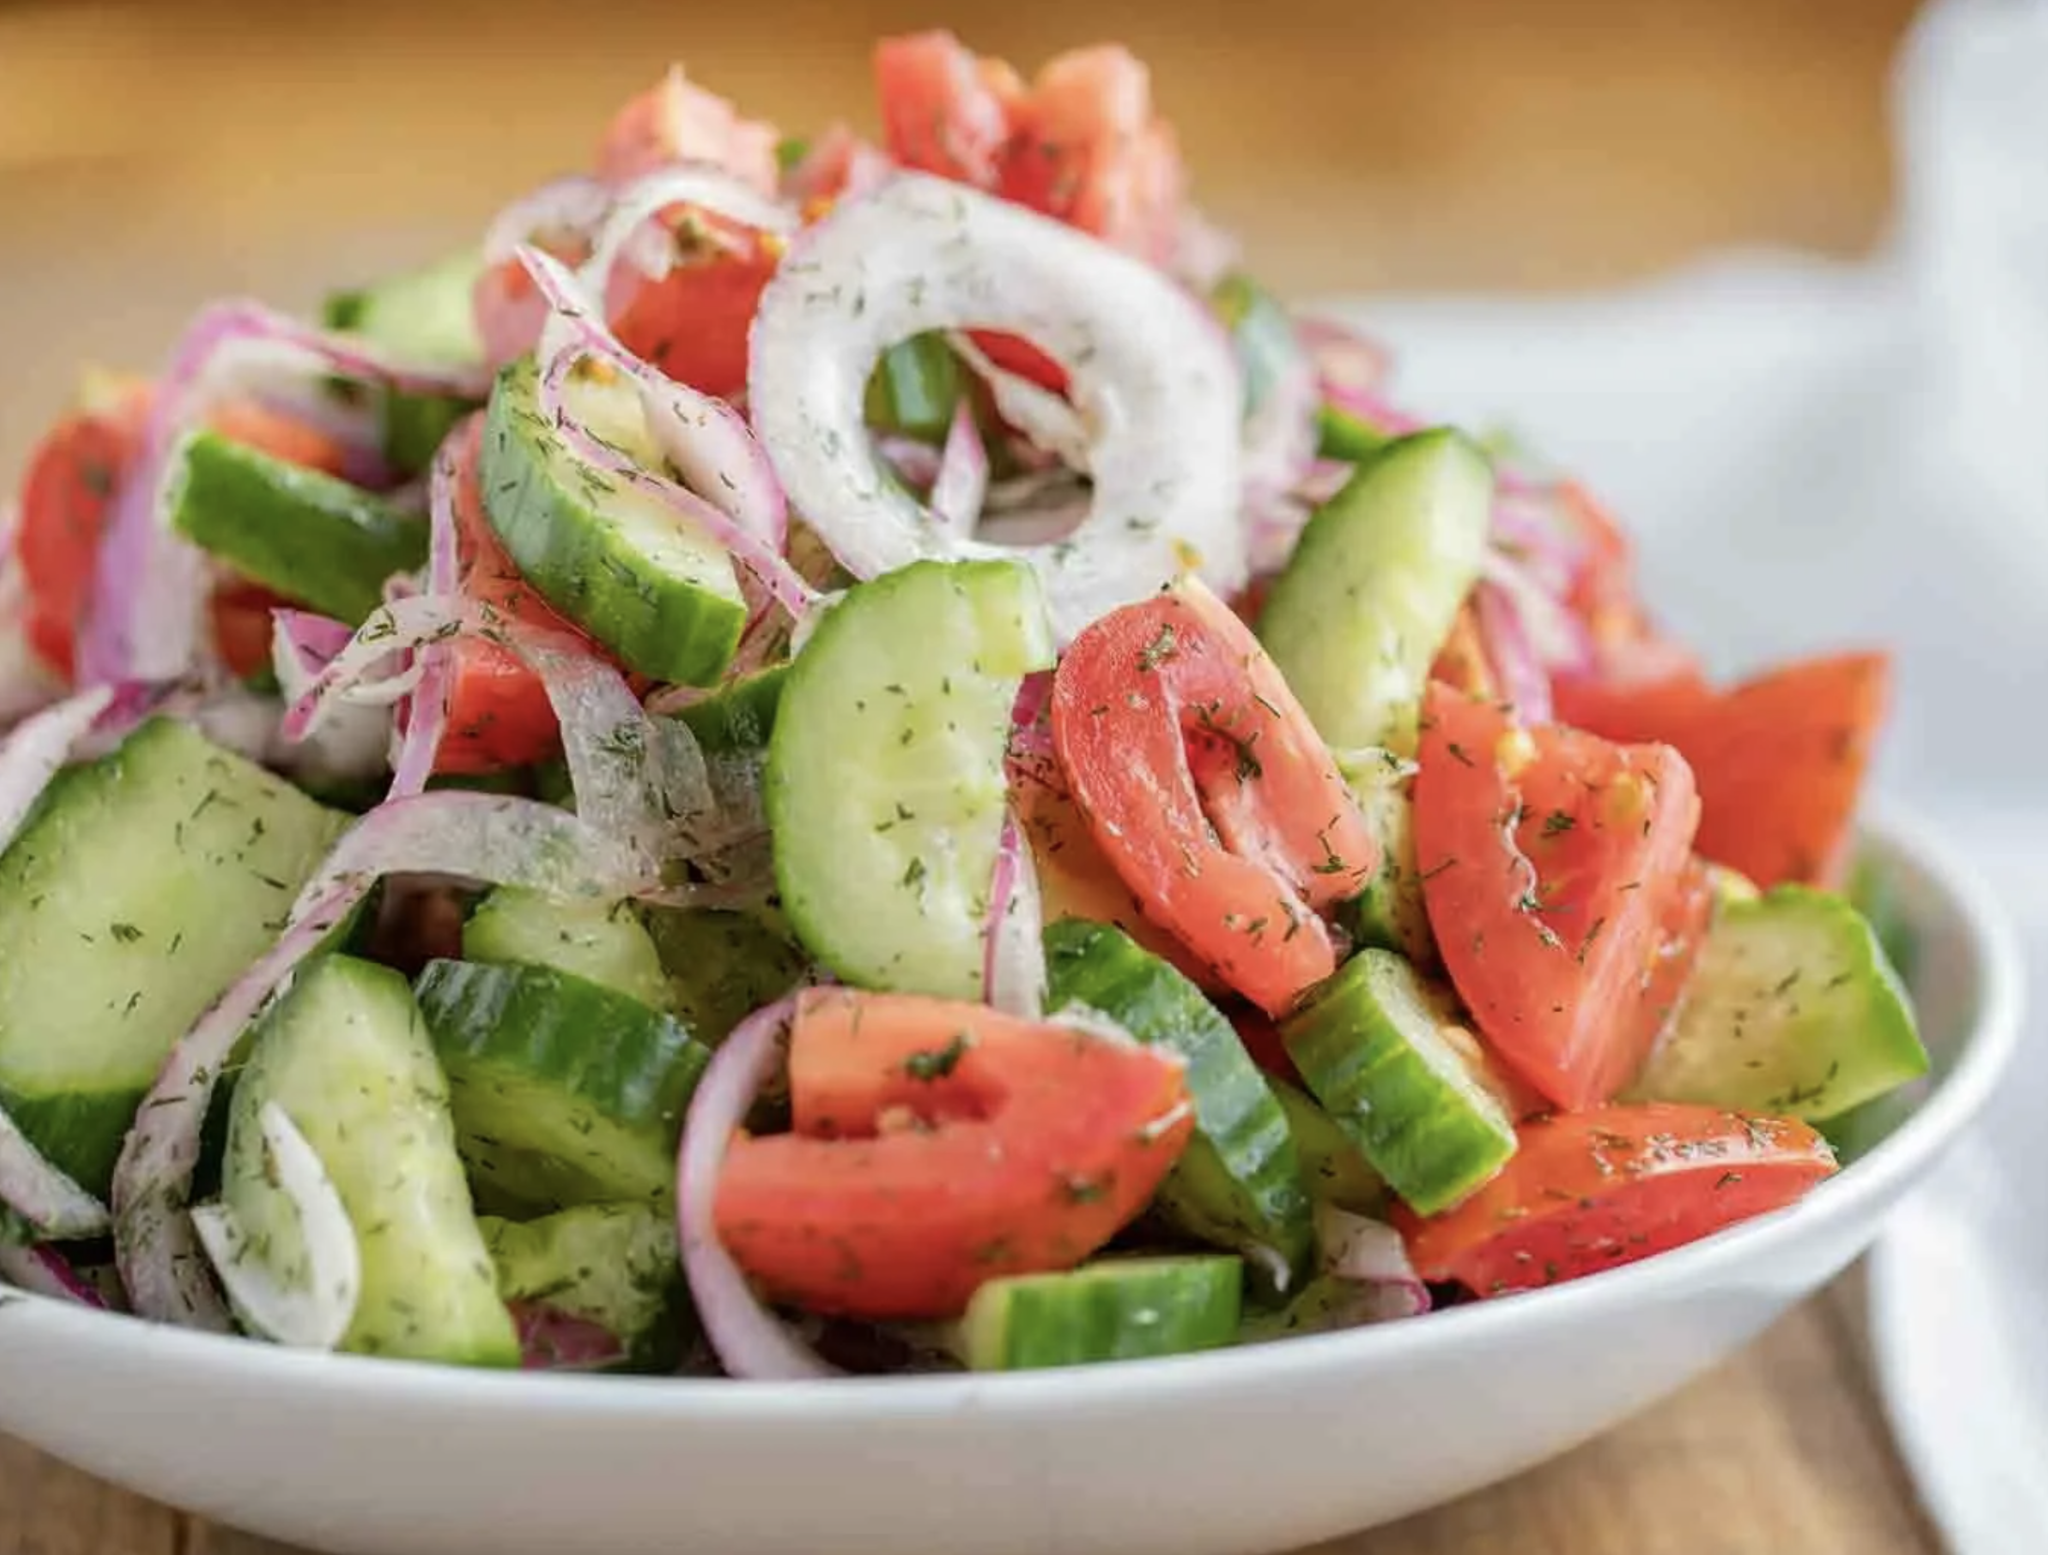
(498, 710)
(1209, 790)
(693, 322)
(944, 110)
(937, 1145)
(675, 121)
(1549, 862)
(1594, 1190)
(1461, 663)
(1780, 759)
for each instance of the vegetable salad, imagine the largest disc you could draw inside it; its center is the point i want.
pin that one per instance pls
(859, 754)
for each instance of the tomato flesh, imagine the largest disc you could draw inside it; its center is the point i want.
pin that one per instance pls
(677, 121)
(1209, 791)
(1780, 759)
(1594, 1190)
(1550, 860)
(937, 1145)
(944, 111)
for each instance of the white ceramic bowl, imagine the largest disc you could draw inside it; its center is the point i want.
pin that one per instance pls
(1244, 1450)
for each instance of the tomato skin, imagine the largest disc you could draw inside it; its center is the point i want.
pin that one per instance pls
(944, 111)
(1209, 791)
(1780, 759)
(937, 1145)
(1550, 859)
(1589, 1191)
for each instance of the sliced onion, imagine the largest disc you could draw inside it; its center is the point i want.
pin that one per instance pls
(1280, 435)
(38, 747)
(1526, 519)
(490, 838)
(839, 165)
(703, 437)
(960, 485)
(565, 208)
(629, 220)
(1203, 252)
(41, 1194)
(313, 1312)
(144, 619)
(1371, 1255)
(553, 1340)
(1558, 636)
(426, 722)
(1013, 976)
(1523, 681)
(1151, 378)
(1041, 415)
(749, 1340)
(43, 1271)
(1345, 358)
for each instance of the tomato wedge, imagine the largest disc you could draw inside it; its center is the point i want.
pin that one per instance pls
(693, 322)
(1461, 663)
(499, 715)
(1593, 1190)
(937, 1145)
(1550, 860)
(944, 110)
(675, 121)
(1780, 759)
(1209, 791)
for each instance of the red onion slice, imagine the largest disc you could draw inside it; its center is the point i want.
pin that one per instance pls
(1152, 380)
(628, 222)
(749, 1340)
(562, 209)
(484, 837)
(553, 1340)
(43, 1271)
(38, 747)
(144, 620)
(1013, 972)
(1523, 681)
(313, 1312)
(1559, 638)
(960, 485)
(1371, 1255)
(42, 1195)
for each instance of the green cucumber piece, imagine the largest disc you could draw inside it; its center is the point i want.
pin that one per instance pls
(656, 590)
(424, 316)
(722, 965)
(1374, 585)
(602, 942)
(741, 717)
(1390, 912)
(915, 388)
(1239, 1183)
(1793, 1011)
(566, 1092)
(1262, 334)
(1876, 897)
(616, 1265)
(885, 778)
(346, 1056)
(303, 533)
(139, 888)
(1387, 1055)
(1346, 438)
(1118, 1310)
(1333, 1167)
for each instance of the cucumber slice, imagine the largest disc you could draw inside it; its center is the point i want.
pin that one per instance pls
(616, 1265)
(656, 590)
(1374, 586)
(1345, 438)
(1386, 1053)
(885, 780)
(740, 718)
(915, 388)
(301, 532)
(1262, 334)
(1876, 897)
(602, 942)
(141, 886)
(1390, 912)
(566, 1093)
(1239, 1183)
(424, 316)
(1118, 1310)
(1332, 1165)
(1793, 1011)
(722, 966)
(345, 1054)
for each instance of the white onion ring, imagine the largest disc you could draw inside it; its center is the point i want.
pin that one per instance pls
(37, 748)
(317, 1317)
(1513, 656)
(46, 1198)
(43, 1271)
(633, 208)
(960, 485)
(749, 1340)
(1150, 376)
(1371, 1254)
(1013, 975)
(485, 837)
(568, 207)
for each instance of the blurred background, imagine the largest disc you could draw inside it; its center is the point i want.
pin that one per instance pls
(156, 152)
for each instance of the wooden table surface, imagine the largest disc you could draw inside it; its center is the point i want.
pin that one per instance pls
(155, 154)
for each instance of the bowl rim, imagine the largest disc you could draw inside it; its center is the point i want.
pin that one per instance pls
(1996, 979)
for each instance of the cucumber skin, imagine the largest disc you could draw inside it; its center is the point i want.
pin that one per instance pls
(613, 1264)
(1736, 1039)
(388, 1142)
(1239, 1184)
(722, 965)
(915, 388)
(741, 717)
(666, 628)
(601, 942)
(1117, 1310)
(1374, 585)
(304, 533)
(421, 315)
(1346, 439)
(1390, 913)
(852, 874)
(565, 1092)
(79, 1126)
(1384, 1095)
(1332, 1165)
